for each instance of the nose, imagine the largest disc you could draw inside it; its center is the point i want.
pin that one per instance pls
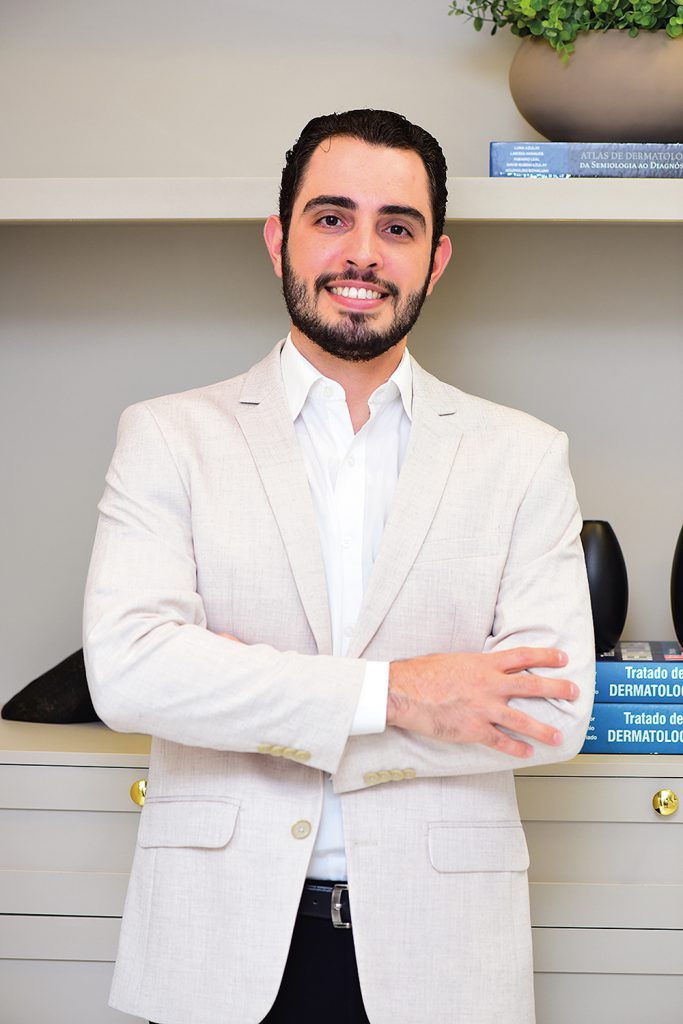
(363, 248)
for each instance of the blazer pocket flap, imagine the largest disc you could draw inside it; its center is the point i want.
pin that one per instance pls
(481, 847)
(175, 821)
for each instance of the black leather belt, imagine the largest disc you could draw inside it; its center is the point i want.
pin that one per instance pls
(328, 900)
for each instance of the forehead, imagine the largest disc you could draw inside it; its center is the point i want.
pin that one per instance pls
(372, 176)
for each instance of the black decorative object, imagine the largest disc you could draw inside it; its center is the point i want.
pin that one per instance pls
(607, 582)
(677, 588)
(59, 696)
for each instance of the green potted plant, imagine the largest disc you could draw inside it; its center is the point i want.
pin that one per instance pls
(619, 72)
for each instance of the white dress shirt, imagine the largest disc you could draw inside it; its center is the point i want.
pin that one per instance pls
(352, 479)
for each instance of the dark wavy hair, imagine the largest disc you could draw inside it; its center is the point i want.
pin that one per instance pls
(377, 128)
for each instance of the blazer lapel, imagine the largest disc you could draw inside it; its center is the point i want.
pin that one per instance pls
(266, 423)
(434, 440)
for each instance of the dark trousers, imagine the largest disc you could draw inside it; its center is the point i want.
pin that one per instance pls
(320, 983)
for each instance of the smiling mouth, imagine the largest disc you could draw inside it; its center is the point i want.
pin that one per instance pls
(352, 292)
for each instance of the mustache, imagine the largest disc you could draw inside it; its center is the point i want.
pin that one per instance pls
(368, 277)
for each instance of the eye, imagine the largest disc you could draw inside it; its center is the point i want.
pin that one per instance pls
(330, 220)
(399, 231)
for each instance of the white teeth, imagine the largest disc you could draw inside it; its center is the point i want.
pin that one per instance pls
(356, 293)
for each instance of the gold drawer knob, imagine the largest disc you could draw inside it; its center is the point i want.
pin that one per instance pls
(138, 791)
(665, 801)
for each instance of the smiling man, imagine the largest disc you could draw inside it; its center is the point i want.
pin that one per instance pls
(346, 600)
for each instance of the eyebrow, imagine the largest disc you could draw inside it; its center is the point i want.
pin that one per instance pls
(345, 203)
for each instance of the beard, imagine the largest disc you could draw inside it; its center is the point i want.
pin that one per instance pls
(352, 337)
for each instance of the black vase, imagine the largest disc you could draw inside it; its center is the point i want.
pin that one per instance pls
(607, 582)
(677, 588)
(58, 696)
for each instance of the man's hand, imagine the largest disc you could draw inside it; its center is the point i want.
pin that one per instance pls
(463, 698)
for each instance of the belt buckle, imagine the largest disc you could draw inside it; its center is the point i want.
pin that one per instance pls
(336, 905)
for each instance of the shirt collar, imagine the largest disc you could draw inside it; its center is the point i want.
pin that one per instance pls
(299, 376)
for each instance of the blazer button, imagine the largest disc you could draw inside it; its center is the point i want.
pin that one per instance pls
(277, 750)
(371, 778)
(409, 773)
(301, 829)
(396, 774)
(302, 755)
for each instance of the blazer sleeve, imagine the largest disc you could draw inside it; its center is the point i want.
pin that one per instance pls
(152, 664)
(543, 601)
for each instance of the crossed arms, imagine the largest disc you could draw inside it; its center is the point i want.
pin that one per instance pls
(156, 666)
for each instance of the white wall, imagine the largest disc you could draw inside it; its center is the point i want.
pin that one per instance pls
(222, 87)
(579, 325)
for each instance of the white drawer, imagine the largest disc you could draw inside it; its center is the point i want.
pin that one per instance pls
(61, 787)
(57, 992)
(65, 862)
(616, 852)
(601, 856)
(550, 798)
(608, 951)
(608, 999)
(58, 938)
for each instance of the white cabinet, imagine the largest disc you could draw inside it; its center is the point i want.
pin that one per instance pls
(606, 889)
(606, 879)
(68, 827)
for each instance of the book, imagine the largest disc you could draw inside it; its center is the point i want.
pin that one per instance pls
(648, 671)
(586, 160)
(635, 729)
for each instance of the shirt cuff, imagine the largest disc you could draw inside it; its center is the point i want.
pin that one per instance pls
(371, 710)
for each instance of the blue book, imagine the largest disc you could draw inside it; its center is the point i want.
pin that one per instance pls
(648, 671)
(635, 729)
(586, 160)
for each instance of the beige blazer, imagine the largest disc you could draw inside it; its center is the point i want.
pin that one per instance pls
(206, 526)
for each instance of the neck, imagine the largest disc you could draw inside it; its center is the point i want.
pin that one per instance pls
(359, 380)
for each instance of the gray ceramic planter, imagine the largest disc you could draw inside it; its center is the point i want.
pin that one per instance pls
(612, 89)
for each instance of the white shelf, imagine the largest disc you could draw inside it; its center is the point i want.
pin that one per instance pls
(583, 200)
(87, 744)
(23, 200)
(605, 765)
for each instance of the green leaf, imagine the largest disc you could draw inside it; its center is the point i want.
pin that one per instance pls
(478, 24)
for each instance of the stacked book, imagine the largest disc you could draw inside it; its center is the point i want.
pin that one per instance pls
(638, 700)
(586, 160)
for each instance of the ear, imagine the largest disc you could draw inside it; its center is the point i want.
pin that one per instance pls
(444, 251)
(273, 235)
